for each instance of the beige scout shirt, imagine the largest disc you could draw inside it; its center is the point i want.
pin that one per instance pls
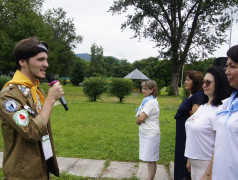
(22, 130)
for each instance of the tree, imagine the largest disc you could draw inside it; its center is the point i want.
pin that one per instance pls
(109, 63)
(93, 87)
(62, 41)
(121, 69)
(116, 68)
(120, 87)
(17, 23)
(96, 62)
(159, 70)
(182, 29)
(164, 69)
(78, 72)
(201, 65)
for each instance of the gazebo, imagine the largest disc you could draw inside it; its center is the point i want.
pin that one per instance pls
(136, 74)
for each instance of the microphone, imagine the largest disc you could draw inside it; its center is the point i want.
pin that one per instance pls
(51, 79)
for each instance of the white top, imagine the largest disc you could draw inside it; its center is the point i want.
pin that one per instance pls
(226, 146)
(151, 123)
(200, 138)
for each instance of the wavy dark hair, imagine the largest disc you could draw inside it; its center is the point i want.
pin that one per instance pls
(196, 77)
(222, 86)
(233, 53)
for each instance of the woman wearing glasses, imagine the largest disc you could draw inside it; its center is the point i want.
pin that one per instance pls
(225, 161)
(199, 127)
(149, 130)
(193, 84)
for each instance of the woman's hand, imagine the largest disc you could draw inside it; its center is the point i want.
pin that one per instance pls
(188, 165)
(208, 173)
(138, 121)
(205, 177)
(141, 118)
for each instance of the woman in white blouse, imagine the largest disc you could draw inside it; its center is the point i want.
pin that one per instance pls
(149, 130)
(225, 162)
(199, 127)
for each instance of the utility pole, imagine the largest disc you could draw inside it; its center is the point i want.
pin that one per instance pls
(231, 26)
(182, 77)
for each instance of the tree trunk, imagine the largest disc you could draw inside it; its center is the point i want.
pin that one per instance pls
(175, 82)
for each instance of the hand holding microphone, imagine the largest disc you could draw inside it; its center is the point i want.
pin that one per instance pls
(58, 90)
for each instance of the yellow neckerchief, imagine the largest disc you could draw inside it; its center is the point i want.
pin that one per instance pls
(20, 78)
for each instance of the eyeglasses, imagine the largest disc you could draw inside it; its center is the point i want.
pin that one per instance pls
(145, 88)
(207, 82)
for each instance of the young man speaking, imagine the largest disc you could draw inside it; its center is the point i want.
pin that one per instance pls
(25, 116)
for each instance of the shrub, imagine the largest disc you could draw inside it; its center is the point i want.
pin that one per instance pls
(93, 87)
(160, 84)
(170, 91)
(4, 80)
(137, 83)
(120, 87)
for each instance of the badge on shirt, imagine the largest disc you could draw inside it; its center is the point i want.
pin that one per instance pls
(24, 90)
(21, 117)
(10, 105)
(29, 109)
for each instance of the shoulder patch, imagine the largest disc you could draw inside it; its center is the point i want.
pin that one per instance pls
(21, 117)
(10, 105)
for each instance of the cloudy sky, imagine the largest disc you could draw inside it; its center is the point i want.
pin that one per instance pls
(96, 25)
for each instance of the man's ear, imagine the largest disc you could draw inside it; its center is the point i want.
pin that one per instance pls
(22, 62)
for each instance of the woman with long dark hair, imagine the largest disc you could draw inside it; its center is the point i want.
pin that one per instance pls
(225, 162)
(199, 127)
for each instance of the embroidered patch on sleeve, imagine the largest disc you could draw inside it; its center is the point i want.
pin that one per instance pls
(21, 117)
(10, 105)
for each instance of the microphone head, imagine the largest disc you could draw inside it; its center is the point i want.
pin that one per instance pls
(50, 77)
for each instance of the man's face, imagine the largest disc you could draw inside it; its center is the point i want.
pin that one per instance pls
(35, 67)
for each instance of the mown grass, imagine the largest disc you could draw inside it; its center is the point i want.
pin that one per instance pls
(106, 129)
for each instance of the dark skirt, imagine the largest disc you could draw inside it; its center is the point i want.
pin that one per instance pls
(180, 161)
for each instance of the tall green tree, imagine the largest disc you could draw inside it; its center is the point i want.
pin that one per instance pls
(116, 68)
(164, 69)
(201, 65)
(182, 29)
(79, 71)
(109, 63)
(17, 23)
(64, 40)
(96, 62)
(122, 68)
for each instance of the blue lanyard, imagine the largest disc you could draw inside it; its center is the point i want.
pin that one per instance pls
(145, 101)
(233, 106)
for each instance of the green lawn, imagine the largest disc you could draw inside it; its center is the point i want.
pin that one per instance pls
(106, 129)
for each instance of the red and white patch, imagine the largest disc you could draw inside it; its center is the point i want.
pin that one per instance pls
(21, 117)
